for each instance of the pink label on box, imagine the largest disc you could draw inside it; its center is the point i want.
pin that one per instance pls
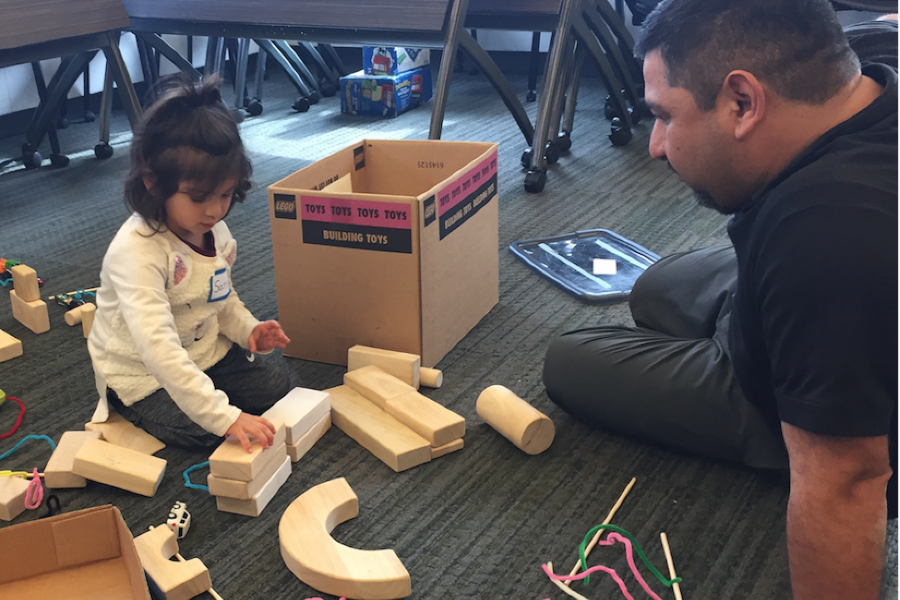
(458, 191)
(355, 212)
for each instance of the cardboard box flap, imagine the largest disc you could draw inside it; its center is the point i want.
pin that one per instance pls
(70, 535)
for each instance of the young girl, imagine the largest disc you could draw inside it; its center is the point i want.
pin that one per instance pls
(170, 337)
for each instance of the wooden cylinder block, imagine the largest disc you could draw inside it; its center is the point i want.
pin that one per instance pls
(432, 378)
(525, 426)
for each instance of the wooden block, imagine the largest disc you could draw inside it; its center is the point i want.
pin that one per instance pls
(309, 551)
(432, 378)
(122, 432)
(25, 282)
(10, 347)
(244, 490)
(447, 448)
(299, 410)
(32, 315)
(87, 318)
(119, 467)
(401, 365)
(58, 472)
(395, 444)
(73, 316)
(435, 423)
(516, 420)
(231, 461)
(376, 385)
(299, 449)
(174, 580)
(255, 505)
(12, 497)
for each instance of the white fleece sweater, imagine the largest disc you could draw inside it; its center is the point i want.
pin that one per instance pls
(165, 314)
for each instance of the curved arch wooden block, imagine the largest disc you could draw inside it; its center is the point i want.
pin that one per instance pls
(319, 561)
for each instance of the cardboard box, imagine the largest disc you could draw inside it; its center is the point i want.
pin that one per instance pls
(389, 244)
(83, 555)
(384, 95)
(387, 60)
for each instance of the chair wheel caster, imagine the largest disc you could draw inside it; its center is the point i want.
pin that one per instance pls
(89, 116)
(534, 181)
(314, 97)
(552, 153)
(531, 96)
(62, 122)
(59, 160)
(254, 107)
(526, 159)
(328, 89)
(301, 104)
(619, 134)
(103, 151)
(31, 157)
(564, 142)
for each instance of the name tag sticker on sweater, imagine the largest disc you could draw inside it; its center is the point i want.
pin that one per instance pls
(604, 266)
(219, 287)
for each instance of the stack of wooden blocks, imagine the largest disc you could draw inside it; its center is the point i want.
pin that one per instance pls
(27, 308)
(245, 483)
(388, 416)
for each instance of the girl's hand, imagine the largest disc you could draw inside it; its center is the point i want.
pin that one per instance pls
(250, 425)
(267, 336)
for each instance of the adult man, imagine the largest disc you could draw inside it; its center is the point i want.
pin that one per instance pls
(783, 350)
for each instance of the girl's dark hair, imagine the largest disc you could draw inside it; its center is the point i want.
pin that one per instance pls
(187, 135)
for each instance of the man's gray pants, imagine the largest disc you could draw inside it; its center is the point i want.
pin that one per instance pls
(670, 379)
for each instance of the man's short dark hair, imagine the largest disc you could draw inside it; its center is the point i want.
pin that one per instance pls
(796, 47)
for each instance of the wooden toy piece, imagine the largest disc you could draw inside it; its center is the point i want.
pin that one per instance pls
(119, 467)
(299, 449)
(231, 461)
(12, 497)
(25, 282)
(665, 544)
(525, 426)
(446, 448)
(87, 318)
(255, 505)
(376, 385)
(395, 444)
(173, 580)
(311, 554)
(73, 316)
(432, 378)
(121, 432)
(435, 423)
(299, 410)
(244, 490)
(401, 365)
(32, 315)
(58, 472)
(10, 347)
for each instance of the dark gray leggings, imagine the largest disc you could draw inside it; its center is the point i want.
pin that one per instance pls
(253, 387)
(668, 380)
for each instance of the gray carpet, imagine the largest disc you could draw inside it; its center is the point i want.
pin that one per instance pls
(474, 524)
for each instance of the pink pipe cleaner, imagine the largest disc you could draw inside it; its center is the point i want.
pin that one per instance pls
(34, 495)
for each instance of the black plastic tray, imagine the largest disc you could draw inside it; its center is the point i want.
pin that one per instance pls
(567, 260)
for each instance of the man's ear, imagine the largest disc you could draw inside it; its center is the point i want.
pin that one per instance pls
(746, 101)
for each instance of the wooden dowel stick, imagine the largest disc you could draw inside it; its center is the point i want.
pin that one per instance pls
(211, 591)
(609, 518)
(665, 544)
(72, 293)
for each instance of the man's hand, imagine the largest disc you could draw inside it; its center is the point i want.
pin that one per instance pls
(250, 425)
(267, 336)
(837, 514)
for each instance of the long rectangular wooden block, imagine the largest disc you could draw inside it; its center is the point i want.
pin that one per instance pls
(10, 347)
(392, 442)
(402, 365)
(301, 409)
(231, 461)
(120, 431)
(58, 472)
(25, 282)
(299, 449)
(244, 490)
(119, 467)
(32, 315)
(446, 448)
(255, 505)
(437, 424)
(376, 385)
(12, 497)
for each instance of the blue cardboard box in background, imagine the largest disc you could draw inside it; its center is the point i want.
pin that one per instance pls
(387, 60)
(384, 95)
